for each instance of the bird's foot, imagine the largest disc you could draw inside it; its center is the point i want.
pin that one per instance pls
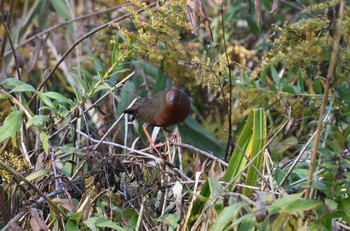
(155, 146)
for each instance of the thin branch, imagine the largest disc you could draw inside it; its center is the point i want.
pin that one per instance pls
(204, 153)
(335, 47)
(300, 154)
(229, 140)
(12, 46)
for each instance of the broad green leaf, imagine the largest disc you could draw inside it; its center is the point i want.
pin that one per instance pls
(227, 216)
(46, 99)
(250, 143)
(289, 89)
(192, 132)
(301, 205)
(23, 88)
(11, 125)
(272, 87)
(100, 222)
(57, 96)
(37, 121)
(71, 226)
(76, 216)
(282, 202)
(61, 8)
(317, 86)
(37, 174)
(237, 160)
(258, 141)
(171, 220)
(161, 81)
(11, 83)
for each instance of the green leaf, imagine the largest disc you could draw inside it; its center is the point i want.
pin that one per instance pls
(11, 83)
(301, 205)
(46, 99)
(37, 174)
(318, 86)
(171, 220)
(300, 81)
(227, 216)
(116, 50)
(275, 77)
(256, 145)
(97, 64)
(37, 121)
(76, 217)
(45, 142)
(11, 125)
(282, 202)
(209, 189)
(251, 140)
(192, 132)
(289, 89)
(71, 226)
(57, 96)
(101, 223)
(61, 8)
(23, 88)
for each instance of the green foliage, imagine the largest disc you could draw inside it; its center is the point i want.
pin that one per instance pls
(246, 92)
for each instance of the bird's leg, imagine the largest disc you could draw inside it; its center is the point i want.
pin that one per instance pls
(173, 133)
(154, 146)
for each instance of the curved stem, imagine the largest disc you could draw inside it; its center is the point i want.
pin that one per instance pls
(330, 74)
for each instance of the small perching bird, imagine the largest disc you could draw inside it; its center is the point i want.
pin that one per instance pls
(164, 109)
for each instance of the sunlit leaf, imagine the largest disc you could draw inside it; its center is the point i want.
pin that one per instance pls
(101, 223)
(11, 125)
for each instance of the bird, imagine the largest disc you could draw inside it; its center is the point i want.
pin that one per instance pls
(166, 108)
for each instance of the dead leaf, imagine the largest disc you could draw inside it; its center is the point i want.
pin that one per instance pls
(274, 6)
(177, 190)
(196, 164)
(65, 203)
(214, 170)
(258, 11)
(37, 222)
(195, 14)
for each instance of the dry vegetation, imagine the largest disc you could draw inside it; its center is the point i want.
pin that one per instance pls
(266, 146)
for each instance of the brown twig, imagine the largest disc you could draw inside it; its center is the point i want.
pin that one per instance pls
(330, 74)
(4, 40)
(230, 136)
(204, 153)
(11, 44)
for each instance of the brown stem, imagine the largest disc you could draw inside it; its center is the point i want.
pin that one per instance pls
(229, 140)
(330, 74)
